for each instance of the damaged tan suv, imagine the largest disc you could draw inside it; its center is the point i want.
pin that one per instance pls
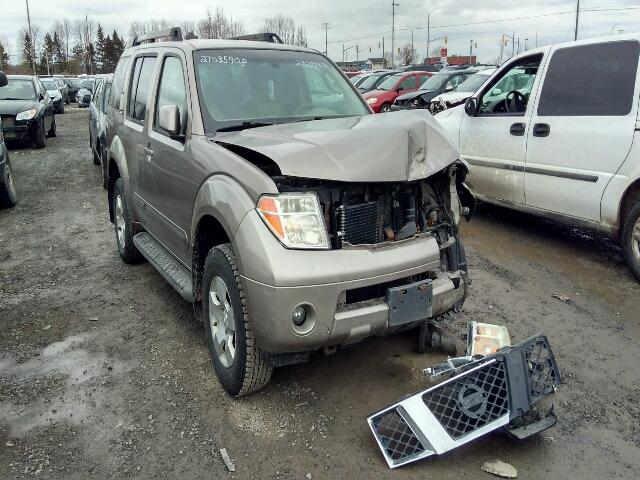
(255, 179)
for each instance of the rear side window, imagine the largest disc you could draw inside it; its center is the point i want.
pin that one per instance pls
(597, 79)
(106, 96)
(118, 82)
(140, 85)
(172, 90)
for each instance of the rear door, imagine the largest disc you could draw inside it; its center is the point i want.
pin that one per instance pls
(582, 127)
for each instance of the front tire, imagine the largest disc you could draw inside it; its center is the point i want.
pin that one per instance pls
(631, 240)
(40, 139)
(236, 358)
(53, 131)
(385, 108)
(8, 195)
(123, 226)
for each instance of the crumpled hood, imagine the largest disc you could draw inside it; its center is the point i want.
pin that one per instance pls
(13, 107)
(418, 93)
(452, 97)
(393, 147)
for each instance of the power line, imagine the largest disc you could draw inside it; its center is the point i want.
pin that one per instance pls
(483, 22)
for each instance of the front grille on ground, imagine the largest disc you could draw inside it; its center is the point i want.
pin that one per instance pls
(396, 437)
(470, 402)
(543, 374)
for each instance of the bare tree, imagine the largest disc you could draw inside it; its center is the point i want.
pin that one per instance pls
(189, 29)
(282, 25)
(301, 37)
(83, 32)
(236, 28)
(408, 54)
(62, 28)
(216, 25)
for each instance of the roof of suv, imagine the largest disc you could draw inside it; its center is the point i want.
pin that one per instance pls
(212, 44)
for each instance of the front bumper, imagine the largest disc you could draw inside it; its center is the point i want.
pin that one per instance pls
(18, 130)
(407, 106)
(342, 290)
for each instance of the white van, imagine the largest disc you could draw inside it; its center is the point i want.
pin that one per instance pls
(555, 131)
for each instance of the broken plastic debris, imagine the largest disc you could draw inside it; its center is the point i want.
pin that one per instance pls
(449, 366)
(561, 297)
(500, 468)
(486, 338)
(227, 460)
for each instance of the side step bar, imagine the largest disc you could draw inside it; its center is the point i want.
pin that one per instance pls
(172, 270)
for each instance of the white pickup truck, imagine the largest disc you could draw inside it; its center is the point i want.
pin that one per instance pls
(565, 144)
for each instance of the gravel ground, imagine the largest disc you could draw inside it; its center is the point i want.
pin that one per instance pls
(104, 374)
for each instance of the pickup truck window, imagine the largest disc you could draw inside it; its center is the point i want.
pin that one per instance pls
(139, 91)
(118, 82)
(172, 90)
(275, 86)
(596, 79)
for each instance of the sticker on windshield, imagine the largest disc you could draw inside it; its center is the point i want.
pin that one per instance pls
(223, 59)
(309, 63)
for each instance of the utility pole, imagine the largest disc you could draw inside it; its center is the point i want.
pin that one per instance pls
(577, 15)
(383, 59)
(31, 45)
(325, 25)
(470, 50)
(393, 31)
(525, 44)
(513, 45)
(428, 34)
(501, 48)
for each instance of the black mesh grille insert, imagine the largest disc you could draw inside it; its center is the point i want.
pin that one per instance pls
(361, 223)
(470, 402)
(543, 374)
(396, 437)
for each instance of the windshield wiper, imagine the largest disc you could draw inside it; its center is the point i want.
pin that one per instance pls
(243, 126)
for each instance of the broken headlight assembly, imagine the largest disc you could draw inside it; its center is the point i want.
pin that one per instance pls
(498, 391)
(295, 219)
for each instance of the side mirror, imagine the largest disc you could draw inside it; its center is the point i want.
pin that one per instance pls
(41, 96)
(495, 92)
(399, 89)
(169, 119)
(3, 80)
(449, 88)
(471, 106)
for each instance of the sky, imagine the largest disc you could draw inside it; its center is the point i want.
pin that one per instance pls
(360, 22)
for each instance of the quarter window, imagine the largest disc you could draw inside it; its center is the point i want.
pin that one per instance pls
(118, 82)
(596, 79)
(172, 89)
(140, 88)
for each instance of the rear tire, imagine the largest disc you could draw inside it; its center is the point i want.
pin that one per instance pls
(236, 358)
(8, 195)
(103, 168)
(123, 226)
(631, 240)
(96, 156)
(40, 140)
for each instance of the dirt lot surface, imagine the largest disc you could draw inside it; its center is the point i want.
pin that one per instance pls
(104, 374)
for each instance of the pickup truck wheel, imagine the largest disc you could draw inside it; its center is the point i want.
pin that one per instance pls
(123, 226)
(236, 358)
(631, 240)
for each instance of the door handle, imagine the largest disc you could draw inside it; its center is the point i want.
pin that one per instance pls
(148, 151)
(541, 130)
(517, 129)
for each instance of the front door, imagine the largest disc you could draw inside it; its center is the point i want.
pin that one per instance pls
(172, 180)
(494, 140)
(583, 126)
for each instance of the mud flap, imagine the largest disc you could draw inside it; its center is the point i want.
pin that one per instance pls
(487, 395)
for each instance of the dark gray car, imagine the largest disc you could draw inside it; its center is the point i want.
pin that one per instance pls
(98, 122)
(257, 182)
(8, 195)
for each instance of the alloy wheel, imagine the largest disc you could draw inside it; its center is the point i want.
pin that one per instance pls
(222, 322)
(120, 224)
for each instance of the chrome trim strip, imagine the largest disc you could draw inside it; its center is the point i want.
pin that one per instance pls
(535, 170)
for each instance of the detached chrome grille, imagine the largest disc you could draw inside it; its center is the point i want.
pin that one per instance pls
(399, 441)
(543, 374)
(470, 402)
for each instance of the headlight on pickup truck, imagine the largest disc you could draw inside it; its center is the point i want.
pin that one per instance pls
(26, 115)
(295, 219)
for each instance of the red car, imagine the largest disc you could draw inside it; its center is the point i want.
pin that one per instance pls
(380, 100)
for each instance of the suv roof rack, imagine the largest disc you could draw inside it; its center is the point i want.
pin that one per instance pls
(173, 34)
(260, 37)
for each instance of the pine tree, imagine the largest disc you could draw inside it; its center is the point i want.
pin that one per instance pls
(4, 57)
(26, 50)
(99, 56)
(47, 56)
(59, 56)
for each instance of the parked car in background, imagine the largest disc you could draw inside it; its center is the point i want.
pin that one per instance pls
(352, 74)
(74, 85)
(444, 81)
(461, 93)
(420, 67)
(555, 132)
(84, 95)
(374, 80)
(56, 95)
(98, 123)
(8, 195)
(246, 207)
(381, 99)
(64, 89)
(26, 110)
(356, 79)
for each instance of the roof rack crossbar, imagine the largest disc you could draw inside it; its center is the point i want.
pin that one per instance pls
(260, 37)
(173, 34)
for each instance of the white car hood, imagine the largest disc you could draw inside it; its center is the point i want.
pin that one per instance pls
(452, 97)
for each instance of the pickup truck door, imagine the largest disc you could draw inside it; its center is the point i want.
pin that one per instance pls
(582, 127)
(173, 180)
(493, 140)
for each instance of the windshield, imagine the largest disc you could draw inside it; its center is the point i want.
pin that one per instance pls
(87, 83)
(18, 89)
(75, 82)
(390, 82)
(473, 83)
(372, 80)
(49, 84)
(436, 82)
(274, 86)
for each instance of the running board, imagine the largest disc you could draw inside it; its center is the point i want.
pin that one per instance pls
(172, 270)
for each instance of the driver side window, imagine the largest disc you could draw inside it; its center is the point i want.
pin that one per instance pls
(509, 93)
